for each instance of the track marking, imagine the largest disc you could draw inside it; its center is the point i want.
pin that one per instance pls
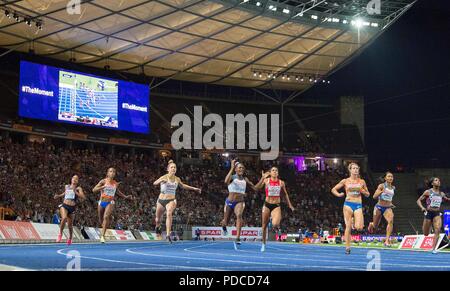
(140, 263)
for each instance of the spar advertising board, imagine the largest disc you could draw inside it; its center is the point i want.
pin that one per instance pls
(48, 231)
(420, 242)
(18, 230)
(249, 233)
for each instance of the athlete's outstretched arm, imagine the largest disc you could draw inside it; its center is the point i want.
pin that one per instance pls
(251, 184)
(336, 189)
(283, 186)
(364, 189)
(262, 181)
(160, 180)
(121, 195)
(187, 187)
(60, 195)
(80, 193)
(445, 197)
(230, 173)
(378, 192)
(100, 186)
(421, 198)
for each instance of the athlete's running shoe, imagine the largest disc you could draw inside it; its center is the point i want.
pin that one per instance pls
(224, 230)
(59, 238)
(263, 248)
(102, 239)
(237, 244)
(347, 251)
(69, 242)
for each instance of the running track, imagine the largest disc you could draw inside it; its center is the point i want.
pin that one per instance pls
(214, 256)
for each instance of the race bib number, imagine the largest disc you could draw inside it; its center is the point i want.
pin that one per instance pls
(274, 191)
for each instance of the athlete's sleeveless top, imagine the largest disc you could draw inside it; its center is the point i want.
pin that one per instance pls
(169, 188)
(237, 185)
(69, 194)
(388, 194)
(273, 189)
(434, 200)
(109, 191)
(353, 188)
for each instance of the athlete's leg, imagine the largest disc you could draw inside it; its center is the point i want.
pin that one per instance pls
(107, 218)
(389, 216)
(348, 216)
(437, 224)
(376, 220)
(238, 211)
(170, 207)
(264, 222)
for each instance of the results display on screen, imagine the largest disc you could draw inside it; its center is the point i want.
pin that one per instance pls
(61, 95)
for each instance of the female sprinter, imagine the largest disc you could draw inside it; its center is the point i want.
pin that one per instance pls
(71, 194)
(108, 188)
(167, 200)
(237, 185)
(384, 193)
(354, 187)
(434, 198)
(271, 207)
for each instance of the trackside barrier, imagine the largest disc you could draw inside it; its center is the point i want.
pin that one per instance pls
(247, 233)
(421, 242)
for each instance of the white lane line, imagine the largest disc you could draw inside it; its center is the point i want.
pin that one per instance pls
(414, 257)
(137, 263)
(314, 258)
(12, 268)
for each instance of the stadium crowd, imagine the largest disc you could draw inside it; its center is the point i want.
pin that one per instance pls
(32, 173)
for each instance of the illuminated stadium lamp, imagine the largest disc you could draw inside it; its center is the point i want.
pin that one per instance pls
(226, 155)
(365, 23)
(310, 79)
(335, 161)
(296, 78)
(16, 17)
(329, 82)
(315, 81)
(28, 22)
(335, 19)
(329, 19)
(358, 23)
(7, 14)
(285, 10)
(345, 21)
(260, 75)
(302, 79)
(374, 24)
(314, 17)
(273, 8)
(289, 78)
(258, 4)
(254, 74)
(323, 81)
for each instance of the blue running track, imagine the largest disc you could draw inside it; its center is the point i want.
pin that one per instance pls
(215, 256)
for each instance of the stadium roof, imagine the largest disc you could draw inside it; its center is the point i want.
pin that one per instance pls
(249, 43)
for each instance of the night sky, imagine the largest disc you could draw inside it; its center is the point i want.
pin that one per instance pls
(404, 77)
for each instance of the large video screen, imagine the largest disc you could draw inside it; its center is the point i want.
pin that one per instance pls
(61, 95)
